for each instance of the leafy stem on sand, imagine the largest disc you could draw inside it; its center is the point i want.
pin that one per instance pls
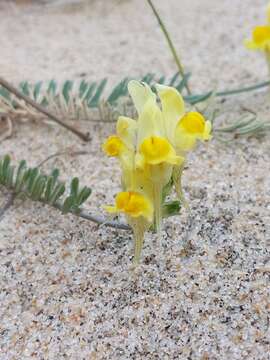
(29, 183)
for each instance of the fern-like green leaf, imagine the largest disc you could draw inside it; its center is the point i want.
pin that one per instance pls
(36, 186)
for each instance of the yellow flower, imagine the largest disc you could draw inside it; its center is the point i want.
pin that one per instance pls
(190, 128)
(183, 129)
(151, 152)
(260, 38)
(157, 150)
(155, 153)
(113, 146)
(132, 204)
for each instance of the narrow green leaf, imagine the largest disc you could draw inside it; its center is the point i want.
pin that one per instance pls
(68, 204)
(5, 168)
(83, 195)
(4, 93)
(161, 80)
(37, 89)
(148, 78)
(38, 188)
(194, 99)
(24, 87)
(82, 88)
(173, 79)
(57, 193)
(183, 82)
(96, 98)
(67, 87)
(19, 176)
(52, 88)
(87, 97)
(171, 208)
(118, 91)
(55, 174)
(34, 173)
(49, 189)
(9, 177)
(74, 187)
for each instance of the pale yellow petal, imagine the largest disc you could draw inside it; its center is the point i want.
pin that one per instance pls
(150, 122)
(139, 161)
(207, 131)
(126, 130)
(251, 45)
(173, 108)
(184, 142)
(140, 93)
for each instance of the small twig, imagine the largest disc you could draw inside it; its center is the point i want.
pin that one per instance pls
(60, 153)
(34, 104)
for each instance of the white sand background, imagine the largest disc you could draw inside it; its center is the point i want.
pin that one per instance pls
(67, 290)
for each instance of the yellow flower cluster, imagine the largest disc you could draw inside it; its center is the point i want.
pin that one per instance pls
(151, 150)
(260, 36)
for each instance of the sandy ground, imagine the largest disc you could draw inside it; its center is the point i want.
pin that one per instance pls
(67, 291)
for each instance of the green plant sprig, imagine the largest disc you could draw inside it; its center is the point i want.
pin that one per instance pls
(247, 125)
(79, 100)
(92, 95)
(32, 184)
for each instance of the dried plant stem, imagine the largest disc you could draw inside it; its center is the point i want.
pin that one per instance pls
(38, 107)
(60, 153)
(170, 43)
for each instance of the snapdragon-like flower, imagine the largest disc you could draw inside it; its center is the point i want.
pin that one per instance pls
(151, 151)
(133, 204)
(260, 39)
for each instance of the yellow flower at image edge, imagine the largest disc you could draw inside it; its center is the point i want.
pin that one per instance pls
(157, 150)
(113, 146)
(192, 127)
(132, 204)
(260, 38)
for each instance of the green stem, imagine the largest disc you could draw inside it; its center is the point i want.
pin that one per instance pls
(170, 43)
(244, 89)
(204, 96)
